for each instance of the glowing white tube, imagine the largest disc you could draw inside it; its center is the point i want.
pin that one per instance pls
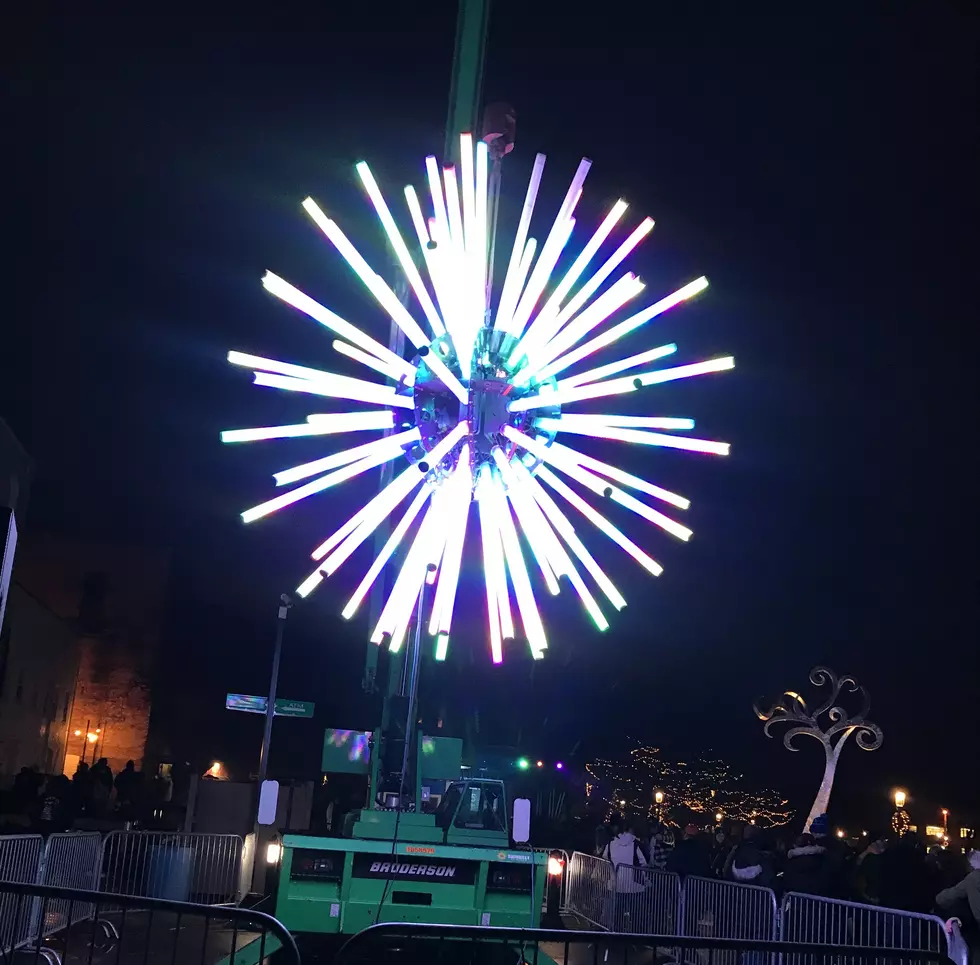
(529, 509)
(442, 646)
(511, 291)
(550, 253)
(600, 521)
(621, 421)
(367, 518)
(530, 618)
(491, 566)
(542, 328)
(482, 178)
(604, 371)
(431, 263)
(382, 558)
(338, 387)
(440, 370)
(628, 383)
(467, 190)
(259, 363)
(458, 506)
(624, 328)
(627, 287)
(578, 393)
(339, 326)
(536, 537)
(560, 521)
(425, 549)
(638, 436)
(438, 200)
(318, 425)
(397, 441)
(318, 485)
(366, 521)
(577, 458)
(608, 267)
(400, 249)
(374, 282)
(371, 362)
(456, 235)
(686, 371)
(570, 466)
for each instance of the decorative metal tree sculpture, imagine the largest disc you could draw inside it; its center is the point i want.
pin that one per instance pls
(840, 725)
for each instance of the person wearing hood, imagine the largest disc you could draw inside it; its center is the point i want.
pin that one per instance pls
(961, 903)
(690, 856)
(808, 868)
(750, 861)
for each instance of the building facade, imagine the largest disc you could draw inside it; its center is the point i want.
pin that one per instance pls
(114, 596)
(38, 666)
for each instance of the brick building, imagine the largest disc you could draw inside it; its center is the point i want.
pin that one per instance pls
(114, 596)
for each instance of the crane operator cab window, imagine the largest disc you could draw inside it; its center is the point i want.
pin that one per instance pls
(474, 806)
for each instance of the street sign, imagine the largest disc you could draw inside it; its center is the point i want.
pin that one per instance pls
(294, 708)
(250, 704)
(246, 703)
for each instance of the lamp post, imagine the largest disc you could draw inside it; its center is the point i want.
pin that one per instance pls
(945, 813)
(900, 819)
(658, 797)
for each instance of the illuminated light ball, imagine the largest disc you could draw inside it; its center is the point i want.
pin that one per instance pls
(555, 866)
(559, 766)
(473, 416)
(523, 763)
(540, 763)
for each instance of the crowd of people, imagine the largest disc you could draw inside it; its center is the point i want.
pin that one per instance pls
(54, 803)
(890, 871)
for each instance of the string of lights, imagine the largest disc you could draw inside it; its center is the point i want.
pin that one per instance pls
(681, 791)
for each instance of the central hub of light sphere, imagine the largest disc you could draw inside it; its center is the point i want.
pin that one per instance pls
(491, 390)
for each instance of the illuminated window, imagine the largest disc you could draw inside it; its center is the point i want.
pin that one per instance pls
(966, 832)
(933, 831)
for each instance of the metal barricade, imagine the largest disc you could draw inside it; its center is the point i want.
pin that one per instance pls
(205, 868)
(589, 892)
(472, 945)
(728, 909)
(828, 921)
(147, 931)
(69, 861)
(645, 902)
(20, 860)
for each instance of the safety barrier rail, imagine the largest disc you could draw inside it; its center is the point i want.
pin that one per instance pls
(646, 902)
(728, 909)
(68, 861)
(20, 859)
(588, 889)
(809, 918)
(181, 867)
(640, 901)
(142, 931)
(471, 945)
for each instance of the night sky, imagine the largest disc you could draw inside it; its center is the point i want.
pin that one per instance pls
(819, 169)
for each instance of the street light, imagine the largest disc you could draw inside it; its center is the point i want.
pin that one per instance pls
(899, 797)
(718, 817)
(945, 813)
(659, 797)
